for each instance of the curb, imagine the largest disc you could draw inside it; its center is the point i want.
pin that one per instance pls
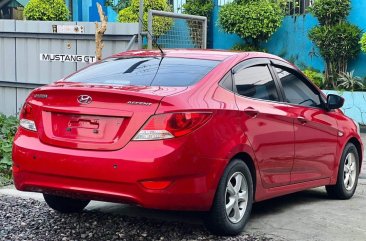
(11, 191)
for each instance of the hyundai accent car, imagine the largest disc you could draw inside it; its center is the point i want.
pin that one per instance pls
(209, 131)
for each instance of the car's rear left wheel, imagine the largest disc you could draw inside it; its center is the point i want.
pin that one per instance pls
(65, 204)
(233, 201)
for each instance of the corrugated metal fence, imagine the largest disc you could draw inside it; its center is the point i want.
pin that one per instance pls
(22, 42)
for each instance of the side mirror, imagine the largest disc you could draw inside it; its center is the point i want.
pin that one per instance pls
(334, 102)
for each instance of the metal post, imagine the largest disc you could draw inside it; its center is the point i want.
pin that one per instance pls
(129, 46)
(204, 33)
(150, 29)
(141, 16)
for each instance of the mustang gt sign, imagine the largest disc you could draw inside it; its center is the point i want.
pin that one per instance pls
(67, 58)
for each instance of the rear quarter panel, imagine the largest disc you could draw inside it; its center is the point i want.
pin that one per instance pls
(222, 137)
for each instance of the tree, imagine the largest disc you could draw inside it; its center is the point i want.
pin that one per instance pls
(331, 12)
(46, 10)
(200, 8)
(337, 40)
(253, 20)
(161, 25)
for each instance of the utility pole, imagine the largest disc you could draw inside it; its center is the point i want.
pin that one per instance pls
(141, 17)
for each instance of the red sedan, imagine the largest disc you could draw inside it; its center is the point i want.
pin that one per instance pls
(197, 130)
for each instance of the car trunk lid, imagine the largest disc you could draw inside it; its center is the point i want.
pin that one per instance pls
(94, 117)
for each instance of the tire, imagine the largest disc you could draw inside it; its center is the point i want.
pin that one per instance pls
(217, 220)
(348, 172)
(64, 204)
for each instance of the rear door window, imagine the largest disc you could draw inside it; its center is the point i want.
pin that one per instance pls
(256, 82)
(147, 71)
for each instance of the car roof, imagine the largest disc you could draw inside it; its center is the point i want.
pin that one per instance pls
(208, 54)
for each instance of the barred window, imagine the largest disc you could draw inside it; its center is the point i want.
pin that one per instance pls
(298, 7)
(177, 5)
(223, 2)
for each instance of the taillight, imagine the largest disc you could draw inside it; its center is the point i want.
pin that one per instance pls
(170, 125)
(26, 118)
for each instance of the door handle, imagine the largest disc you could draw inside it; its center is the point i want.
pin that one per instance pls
(251, 112)
(302, 120)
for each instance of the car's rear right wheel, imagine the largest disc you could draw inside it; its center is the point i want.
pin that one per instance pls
(233, 201)
(65, 204)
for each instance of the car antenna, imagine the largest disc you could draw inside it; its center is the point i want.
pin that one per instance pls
(152, 38)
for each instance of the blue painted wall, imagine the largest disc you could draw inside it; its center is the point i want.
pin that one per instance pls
(291, 42)
(291, 39)
(86, 11)
(358, 17)
(220, 39)
(354, 104)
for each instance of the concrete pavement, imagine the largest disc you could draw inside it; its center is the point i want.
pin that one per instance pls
(307, 215)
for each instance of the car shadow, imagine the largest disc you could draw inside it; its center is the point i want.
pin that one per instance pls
(260, 209)
(280, 204)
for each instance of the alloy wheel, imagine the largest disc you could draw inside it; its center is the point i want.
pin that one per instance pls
(236, 197)
(349, 171)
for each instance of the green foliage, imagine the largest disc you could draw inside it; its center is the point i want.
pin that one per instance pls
(46, 10)
(331, 12)
(161, 25)
(5, 179)
(254, 21)
(337, 44)
(316, 77)
(337, 40)
(363, 43)
(199, 7)
(121, 4)
(347, 81)
(8, 127)
(247, 48)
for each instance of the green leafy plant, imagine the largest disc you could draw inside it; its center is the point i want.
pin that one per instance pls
(363, 43)
(247, 48)
(337, 44)
(337, 40)
(46, 10)
(254, 21)
(347, 81)
(316, 77)
(161, 25)
(201, 8)
(8, 127)
(331, 12)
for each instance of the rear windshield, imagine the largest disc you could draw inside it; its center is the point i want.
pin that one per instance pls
(147, 71)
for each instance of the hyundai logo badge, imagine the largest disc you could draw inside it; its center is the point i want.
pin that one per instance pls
(85, 99)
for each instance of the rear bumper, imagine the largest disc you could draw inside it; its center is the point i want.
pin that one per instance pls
(117, 175)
